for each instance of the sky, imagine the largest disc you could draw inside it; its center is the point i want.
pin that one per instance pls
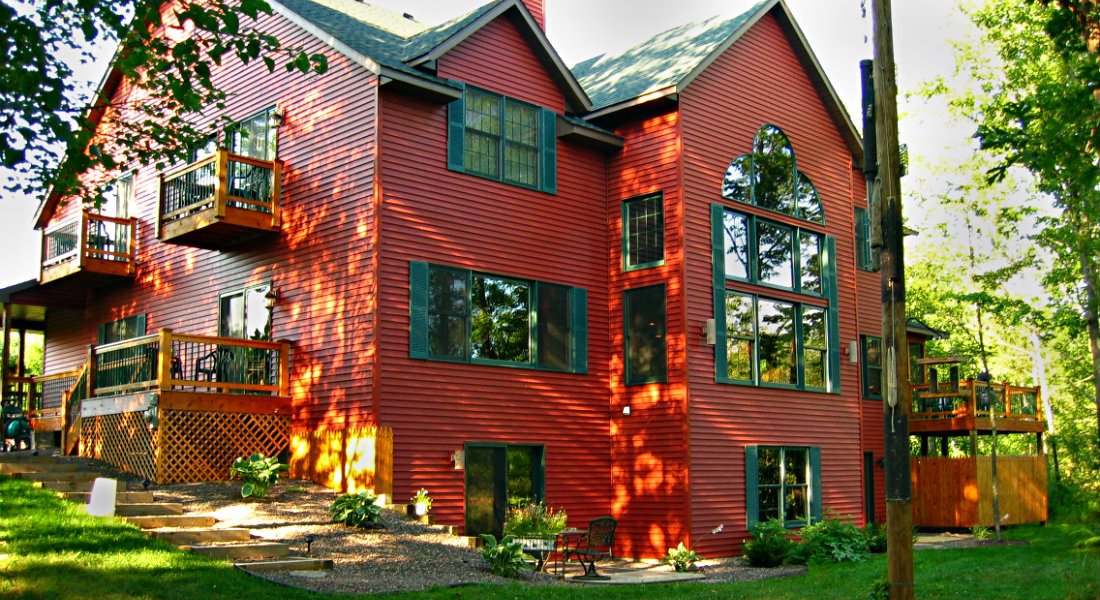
(838, 32)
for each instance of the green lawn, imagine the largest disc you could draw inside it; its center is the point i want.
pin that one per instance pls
(50, 549)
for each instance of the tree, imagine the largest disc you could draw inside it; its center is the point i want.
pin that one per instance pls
(1041, 112)
(168, 52)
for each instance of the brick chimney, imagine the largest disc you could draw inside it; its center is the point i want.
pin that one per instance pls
(537, 9)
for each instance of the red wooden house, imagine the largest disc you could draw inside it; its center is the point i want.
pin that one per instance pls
(632, 287)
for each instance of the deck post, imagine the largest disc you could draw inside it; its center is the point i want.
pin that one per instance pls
(164, 362)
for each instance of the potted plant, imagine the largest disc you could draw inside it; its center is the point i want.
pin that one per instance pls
(534, 525)
(420, 504)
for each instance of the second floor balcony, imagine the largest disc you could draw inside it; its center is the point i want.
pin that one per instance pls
(958, 406)
(90, 250)
(219, 201)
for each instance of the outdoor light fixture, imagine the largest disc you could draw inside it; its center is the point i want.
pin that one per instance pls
(853, 351)
(458, 457)
(278, 117)
(309, 543)
(270, 297)
(626, 411)
(710, 336)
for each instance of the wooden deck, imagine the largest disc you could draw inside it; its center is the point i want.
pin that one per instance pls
(219, 201)
(93, 250)
(174, 407)
(968, 406)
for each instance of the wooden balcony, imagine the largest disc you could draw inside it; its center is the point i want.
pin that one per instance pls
(219, 201)
(91, 251)
(968, 406)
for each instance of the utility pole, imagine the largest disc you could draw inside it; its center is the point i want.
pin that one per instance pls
(887, 233)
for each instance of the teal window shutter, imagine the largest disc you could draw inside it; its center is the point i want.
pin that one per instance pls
(863, 245)
(548, 155)
(418, 309)
(101, 335)
(752, 497)
(718, 260)
(815, 484)
(832, 318)
(580, 330)
(139, 324)
(456, 135)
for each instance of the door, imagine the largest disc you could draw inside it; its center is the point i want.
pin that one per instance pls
(869, 486)
(499, 476)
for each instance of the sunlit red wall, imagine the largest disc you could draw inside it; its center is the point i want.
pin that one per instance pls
(649, 446)
(759, 81)
(320, 263)
(435, 215)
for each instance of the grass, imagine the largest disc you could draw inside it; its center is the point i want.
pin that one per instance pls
(50, 549)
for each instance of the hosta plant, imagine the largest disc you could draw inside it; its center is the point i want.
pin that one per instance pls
(681, 558)
(356, 510)
(258, 472)
(506, 557)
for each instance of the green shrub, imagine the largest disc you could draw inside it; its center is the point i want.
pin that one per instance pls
(258, 472)
(880, 590)
(356, 510)
(981, 532)
(769, 546)
(506, 557)
(681, 558)
(830, 540)
(534, 520)
(875, 535)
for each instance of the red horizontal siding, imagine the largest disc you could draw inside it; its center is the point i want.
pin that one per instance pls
(499, 58)
(649, 446)
(761, 81)
(320, 262)
(431, 214)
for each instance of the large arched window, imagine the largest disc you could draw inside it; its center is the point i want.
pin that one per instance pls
(769, 178)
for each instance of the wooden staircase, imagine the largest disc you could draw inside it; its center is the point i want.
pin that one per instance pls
(167, 521)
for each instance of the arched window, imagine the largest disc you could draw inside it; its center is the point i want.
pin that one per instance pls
(769, 178)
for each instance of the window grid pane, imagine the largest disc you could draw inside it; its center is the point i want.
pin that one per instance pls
(483, 135)
(777, 348)
(447, 312)
(644, 316)
(736, 243)
(740, 336)
(645, 231)
(500, 319)
(810, 258)
(776, 252)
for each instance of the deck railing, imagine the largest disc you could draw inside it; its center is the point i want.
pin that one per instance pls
(171, 361)
(220, 181)
(94, 236)
(26, 392)
(976, 399)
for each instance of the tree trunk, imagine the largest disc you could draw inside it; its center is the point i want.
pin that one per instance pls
(1089, 275)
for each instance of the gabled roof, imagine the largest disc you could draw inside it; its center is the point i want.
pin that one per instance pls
(662, 62)
(666, 64)
(393, 45)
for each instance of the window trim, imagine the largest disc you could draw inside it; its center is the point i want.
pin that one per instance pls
(752, 484)
(629, 377)
(419, 313)
(797, 176)
(753, 244)
(626, 234)
(723, 285)
(547, 135)
(243, 292)
(866, 257)
(866, 367)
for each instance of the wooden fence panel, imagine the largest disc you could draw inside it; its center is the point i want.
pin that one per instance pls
(1022, 487)
(945, 492)
(347, 460)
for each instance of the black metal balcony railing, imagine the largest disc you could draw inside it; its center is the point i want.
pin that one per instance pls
(219, 181)
(195, 363)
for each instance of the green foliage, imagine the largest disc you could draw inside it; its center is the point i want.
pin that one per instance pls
(830, 540)
(980, 532)
(534, 520)
(506, 557)
(356, 510)
(880, 590)
(45, 131)
(258, 472)
(421, 497)
(770, 544)
(875, 535)
(681, 558)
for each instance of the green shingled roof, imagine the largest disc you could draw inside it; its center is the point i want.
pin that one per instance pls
(661, 62)
(383, 35)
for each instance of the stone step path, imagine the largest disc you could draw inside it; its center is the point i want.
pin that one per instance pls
(164, 520)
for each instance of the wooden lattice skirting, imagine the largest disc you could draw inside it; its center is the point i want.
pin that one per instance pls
(188, 446)
(347, 460)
